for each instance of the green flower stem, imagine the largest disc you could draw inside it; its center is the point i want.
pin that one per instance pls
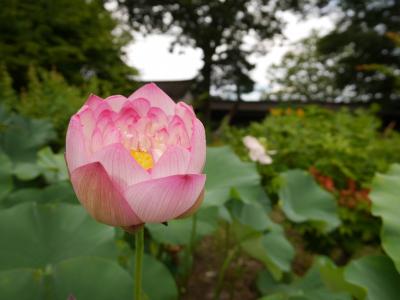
(139, 246)
(190, 250)
(227, 237)
(193, 234)
(221, 275)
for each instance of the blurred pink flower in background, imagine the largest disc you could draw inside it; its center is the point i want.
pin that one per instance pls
(257, 151)
(136, 160)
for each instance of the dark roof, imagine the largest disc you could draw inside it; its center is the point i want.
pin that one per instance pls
(179, 90)
(256, 111)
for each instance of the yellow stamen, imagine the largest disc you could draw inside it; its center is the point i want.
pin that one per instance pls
(143, 158)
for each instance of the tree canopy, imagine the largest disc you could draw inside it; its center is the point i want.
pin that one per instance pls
(304, 74)
(218, 28)
(363, 26)
(74, 37)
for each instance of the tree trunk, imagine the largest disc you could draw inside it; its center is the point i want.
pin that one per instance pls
(205, 88)
(235, 106)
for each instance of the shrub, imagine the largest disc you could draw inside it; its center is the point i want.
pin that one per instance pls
(343, 150)
(340, 144)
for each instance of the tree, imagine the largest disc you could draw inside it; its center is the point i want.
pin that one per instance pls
(387, 70)
(218, 28)
(8, 96)
(362, 27)
(307, 75)
(72, 36)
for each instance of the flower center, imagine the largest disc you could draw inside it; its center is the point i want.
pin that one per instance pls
(143, 158)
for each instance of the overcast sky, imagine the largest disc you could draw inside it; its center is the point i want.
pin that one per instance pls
(151, 56)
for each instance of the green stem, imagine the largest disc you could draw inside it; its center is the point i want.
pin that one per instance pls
(193, 234)
(190, 250)
(139, 246)
(221, 275)
(227, 237)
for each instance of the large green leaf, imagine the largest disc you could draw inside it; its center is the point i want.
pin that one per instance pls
(333, 277)
(52, 165)
(252, 215)
(81, 278)
(309, 287)
(279, 296)
(35, 236)
(313, 288)
(303, 200)
(6, 183)
(91, 278)
(22, 196)
(21, 284)
(385, 198)
(226, 171)
(271, 248)
(178, 232)
(21, 138)
(376, 275)
(26, 170)
(58, 192)
(87, 278)
(61, 191)
(164, 288)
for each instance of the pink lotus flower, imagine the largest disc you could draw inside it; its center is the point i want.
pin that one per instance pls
(136, 160)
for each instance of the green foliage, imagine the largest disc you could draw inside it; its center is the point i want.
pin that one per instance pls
(388, 70)
(8, 96)
(333, 278)
(52, 165)
(269, 245)
(77, 37)
(22, 284)
(310, 287)
(178, 232)
(247, 209)
(166, 287)
(340, 144)
(82, 277)
(6, 183)
(369, 277)
(42, 231)
(236, 178)
(376, 275)
(303, 200)
(226, 172)
(91, 277)
(54, 249)
(304, 74)
(361, 27)
(28, 171)
(60, 192)
(233, 196)
(59, 250)
(346, 148)
(21, 138)
(48, 96)
(386, 204)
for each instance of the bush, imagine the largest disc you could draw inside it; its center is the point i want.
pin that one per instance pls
(48, 96)
(342, 150)
(343, 145)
